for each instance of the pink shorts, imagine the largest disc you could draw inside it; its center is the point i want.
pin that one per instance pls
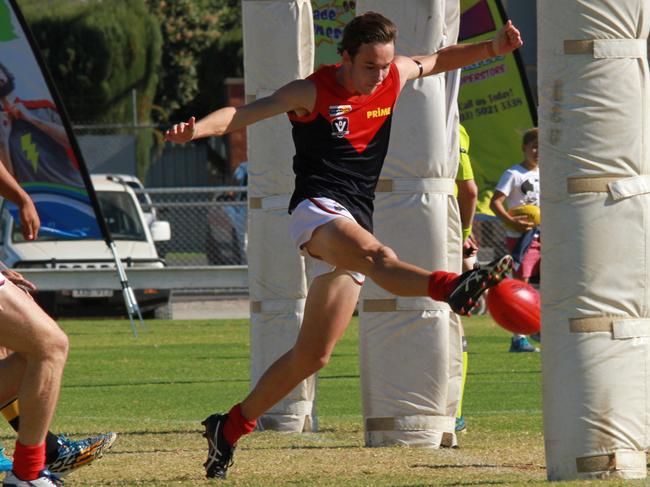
(530, 265)
(307, 217)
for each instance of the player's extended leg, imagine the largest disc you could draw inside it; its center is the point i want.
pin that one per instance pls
(330, 303)
(41, 349)
(345, 244)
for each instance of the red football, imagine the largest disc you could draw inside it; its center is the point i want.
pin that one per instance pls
(515, 306)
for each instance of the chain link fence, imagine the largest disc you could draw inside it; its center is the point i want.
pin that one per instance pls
(208, 224)
(490, 235)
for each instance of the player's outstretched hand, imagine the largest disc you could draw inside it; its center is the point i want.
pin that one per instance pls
(507, 39)
(181, 132)
(30, 223)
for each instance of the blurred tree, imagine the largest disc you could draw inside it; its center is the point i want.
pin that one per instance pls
(99, 53)
(175, 54)
(202, 46)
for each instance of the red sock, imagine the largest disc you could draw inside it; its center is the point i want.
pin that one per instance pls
(441, 284)
(28, 460)
(237, 425)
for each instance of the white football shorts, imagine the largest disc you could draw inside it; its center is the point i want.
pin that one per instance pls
(310, 214)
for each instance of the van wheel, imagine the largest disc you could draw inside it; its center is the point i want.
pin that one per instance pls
(163, 312)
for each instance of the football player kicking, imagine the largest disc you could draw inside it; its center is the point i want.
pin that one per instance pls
(341, 117)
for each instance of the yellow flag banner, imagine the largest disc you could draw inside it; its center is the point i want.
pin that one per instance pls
(494, 101)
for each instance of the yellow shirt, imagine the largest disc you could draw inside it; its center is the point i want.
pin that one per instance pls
(465, 171)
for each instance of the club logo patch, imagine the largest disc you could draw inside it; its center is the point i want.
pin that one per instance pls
(338, 110)
(340, 127)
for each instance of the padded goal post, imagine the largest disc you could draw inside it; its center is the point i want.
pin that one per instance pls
(595, 198)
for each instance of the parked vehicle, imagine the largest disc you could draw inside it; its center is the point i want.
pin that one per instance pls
(227, 216)
(138, 188)
(134, 239)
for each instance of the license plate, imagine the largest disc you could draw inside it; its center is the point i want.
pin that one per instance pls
(92, 293)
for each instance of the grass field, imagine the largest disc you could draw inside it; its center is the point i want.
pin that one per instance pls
(155, 390)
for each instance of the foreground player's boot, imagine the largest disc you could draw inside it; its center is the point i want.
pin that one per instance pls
(45, 479)
(219, 450)
(473, 283)
(461, 425)
(5, 463)
(74, 454)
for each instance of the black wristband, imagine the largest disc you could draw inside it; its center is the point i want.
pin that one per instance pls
(419, 66)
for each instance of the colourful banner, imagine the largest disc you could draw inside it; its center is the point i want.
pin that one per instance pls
(36, 141)
(330, 16)
(495, 103)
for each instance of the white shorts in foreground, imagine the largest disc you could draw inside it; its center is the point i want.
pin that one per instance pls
(307, 217)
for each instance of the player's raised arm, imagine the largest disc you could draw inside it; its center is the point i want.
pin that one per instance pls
(299, 95)
(506, 40)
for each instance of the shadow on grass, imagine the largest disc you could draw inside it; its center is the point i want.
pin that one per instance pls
(330, 377)
(518, 371)
(153, 383)
(477, 482)
(517, 466)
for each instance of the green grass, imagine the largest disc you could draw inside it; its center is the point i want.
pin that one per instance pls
(154, 391)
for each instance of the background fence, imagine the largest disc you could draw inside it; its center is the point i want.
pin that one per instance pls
(208, 224)
(490, 235)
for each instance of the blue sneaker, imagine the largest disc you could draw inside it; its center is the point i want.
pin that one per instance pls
(5, 463)
(461, 425)
(521, 344)
(74, 454)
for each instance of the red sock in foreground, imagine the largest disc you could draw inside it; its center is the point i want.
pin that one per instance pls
(28, 460)
(237, 425)
(441, 284)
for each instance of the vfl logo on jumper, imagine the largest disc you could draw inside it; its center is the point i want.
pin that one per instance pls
(340, 127)
(338, 110)
(378, 112)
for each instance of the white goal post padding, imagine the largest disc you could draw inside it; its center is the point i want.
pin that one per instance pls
(410, 347)
(278, 48)
(595, 189)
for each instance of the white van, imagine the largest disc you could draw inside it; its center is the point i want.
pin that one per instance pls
(133, 237)
(146, 204)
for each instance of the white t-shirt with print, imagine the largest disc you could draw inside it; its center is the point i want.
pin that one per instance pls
(521, 187)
